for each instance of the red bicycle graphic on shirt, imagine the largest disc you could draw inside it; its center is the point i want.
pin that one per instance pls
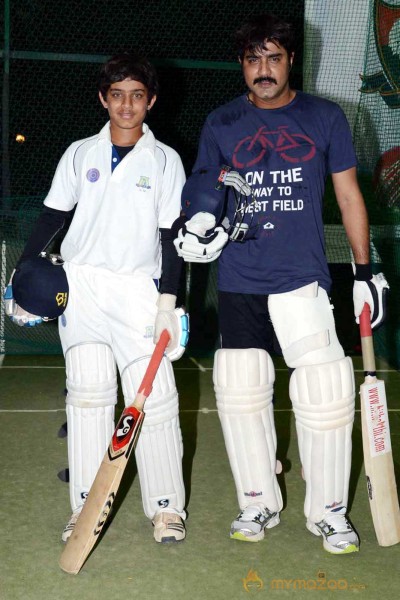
(292, 147)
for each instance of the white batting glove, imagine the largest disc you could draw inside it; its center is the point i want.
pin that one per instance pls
(18, 315)
(176, 322)
(238, 182)
(374, 293)
(192, 243)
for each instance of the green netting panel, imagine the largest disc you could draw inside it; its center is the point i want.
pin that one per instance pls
(352, 56)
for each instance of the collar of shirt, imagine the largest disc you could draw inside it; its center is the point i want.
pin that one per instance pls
(146, 141)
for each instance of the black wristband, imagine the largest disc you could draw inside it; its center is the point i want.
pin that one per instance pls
(363, 272)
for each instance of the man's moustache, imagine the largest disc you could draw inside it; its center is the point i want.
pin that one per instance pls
(267, 79)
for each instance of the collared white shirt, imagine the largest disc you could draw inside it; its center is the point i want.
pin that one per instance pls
(118, 214)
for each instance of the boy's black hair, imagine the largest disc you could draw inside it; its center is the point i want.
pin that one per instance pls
(128, 65)
(259, 29)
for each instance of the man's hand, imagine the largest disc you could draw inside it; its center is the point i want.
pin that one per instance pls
(371, 290)
(18, 315)
(176, 322)
(193, 243)
(238, 182)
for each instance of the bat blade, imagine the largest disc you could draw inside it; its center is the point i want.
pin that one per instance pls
(377, 448)
(102, 494)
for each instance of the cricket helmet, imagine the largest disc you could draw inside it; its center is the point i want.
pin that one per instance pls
(206, 191)
(40, 286)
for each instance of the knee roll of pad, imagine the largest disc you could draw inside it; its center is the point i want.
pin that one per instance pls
(91, 376)
(323, 403)
(92, 394)
(243, 383)
(159, 449)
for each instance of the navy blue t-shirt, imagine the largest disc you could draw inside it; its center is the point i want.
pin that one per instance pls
(285, 154)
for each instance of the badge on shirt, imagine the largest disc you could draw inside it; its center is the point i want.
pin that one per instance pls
(144, 183)
(93, 175)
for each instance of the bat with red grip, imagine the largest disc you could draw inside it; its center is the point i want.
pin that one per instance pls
(102, 494)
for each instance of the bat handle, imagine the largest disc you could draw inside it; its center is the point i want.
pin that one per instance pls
(365, 322)
(147, 381)
(367, 344)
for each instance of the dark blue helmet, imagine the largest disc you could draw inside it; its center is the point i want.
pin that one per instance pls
(204, 191)
(40, 287)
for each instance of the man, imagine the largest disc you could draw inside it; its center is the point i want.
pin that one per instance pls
(277, 146)
(123, 188)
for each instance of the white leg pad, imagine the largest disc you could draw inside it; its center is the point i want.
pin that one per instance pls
(91, 398)
(159, 449)
(243, 383)
(305, 327)
(323, 403)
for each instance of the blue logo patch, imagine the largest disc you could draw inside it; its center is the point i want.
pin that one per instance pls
(93, 175)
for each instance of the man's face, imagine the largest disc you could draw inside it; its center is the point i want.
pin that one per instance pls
(266, 73)
(127, 104)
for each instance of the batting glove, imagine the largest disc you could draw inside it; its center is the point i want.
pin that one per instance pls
(18, 315)
(238, 182)
(195, 244)
(176, 322)
(372, 290)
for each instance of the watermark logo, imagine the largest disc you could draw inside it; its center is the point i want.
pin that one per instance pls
(252, 582)
(321, 582)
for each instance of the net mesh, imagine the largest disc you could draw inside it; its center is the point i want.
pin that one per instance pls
(352, 56)
(51, 52)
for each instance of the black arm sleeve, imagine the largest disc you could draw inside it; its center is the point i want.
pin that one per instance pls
(48, 225)
(171, 264)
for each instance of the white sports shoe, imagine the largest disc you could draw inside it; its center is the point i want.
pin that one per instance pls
(250, 523)
(68, 529)
(168, 527)
(338, 533)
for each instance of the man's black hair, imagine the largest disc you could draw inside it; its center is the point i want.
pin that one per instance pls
(259, 29)
(128, 65)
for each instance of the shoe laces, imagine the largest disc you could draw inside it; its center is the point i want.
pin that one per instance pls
(251, 513)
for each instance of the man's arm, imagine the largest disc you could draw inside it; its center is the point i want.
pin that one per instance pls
(354, 213)
(368, 288)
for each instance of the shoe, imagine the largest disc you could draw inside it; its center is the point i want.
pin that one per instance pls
(249, 525)
(338, 533)
(68, 529)
(168, 527)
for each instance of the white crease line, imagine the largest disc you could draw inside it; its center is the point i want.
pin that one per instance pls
(199, 367)
(34, 410)
(204, 411)
(31, 367)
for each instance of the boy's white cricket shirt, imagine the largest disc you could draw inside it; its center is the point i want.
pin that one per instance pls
(118, 214)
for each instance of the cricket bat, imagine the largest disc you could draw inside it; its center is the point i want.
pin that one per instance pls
(102, 494)
(378, 457)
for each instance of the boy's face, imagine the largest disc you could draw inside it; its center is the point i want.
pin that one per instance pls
(266, 73)
(127, 104)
